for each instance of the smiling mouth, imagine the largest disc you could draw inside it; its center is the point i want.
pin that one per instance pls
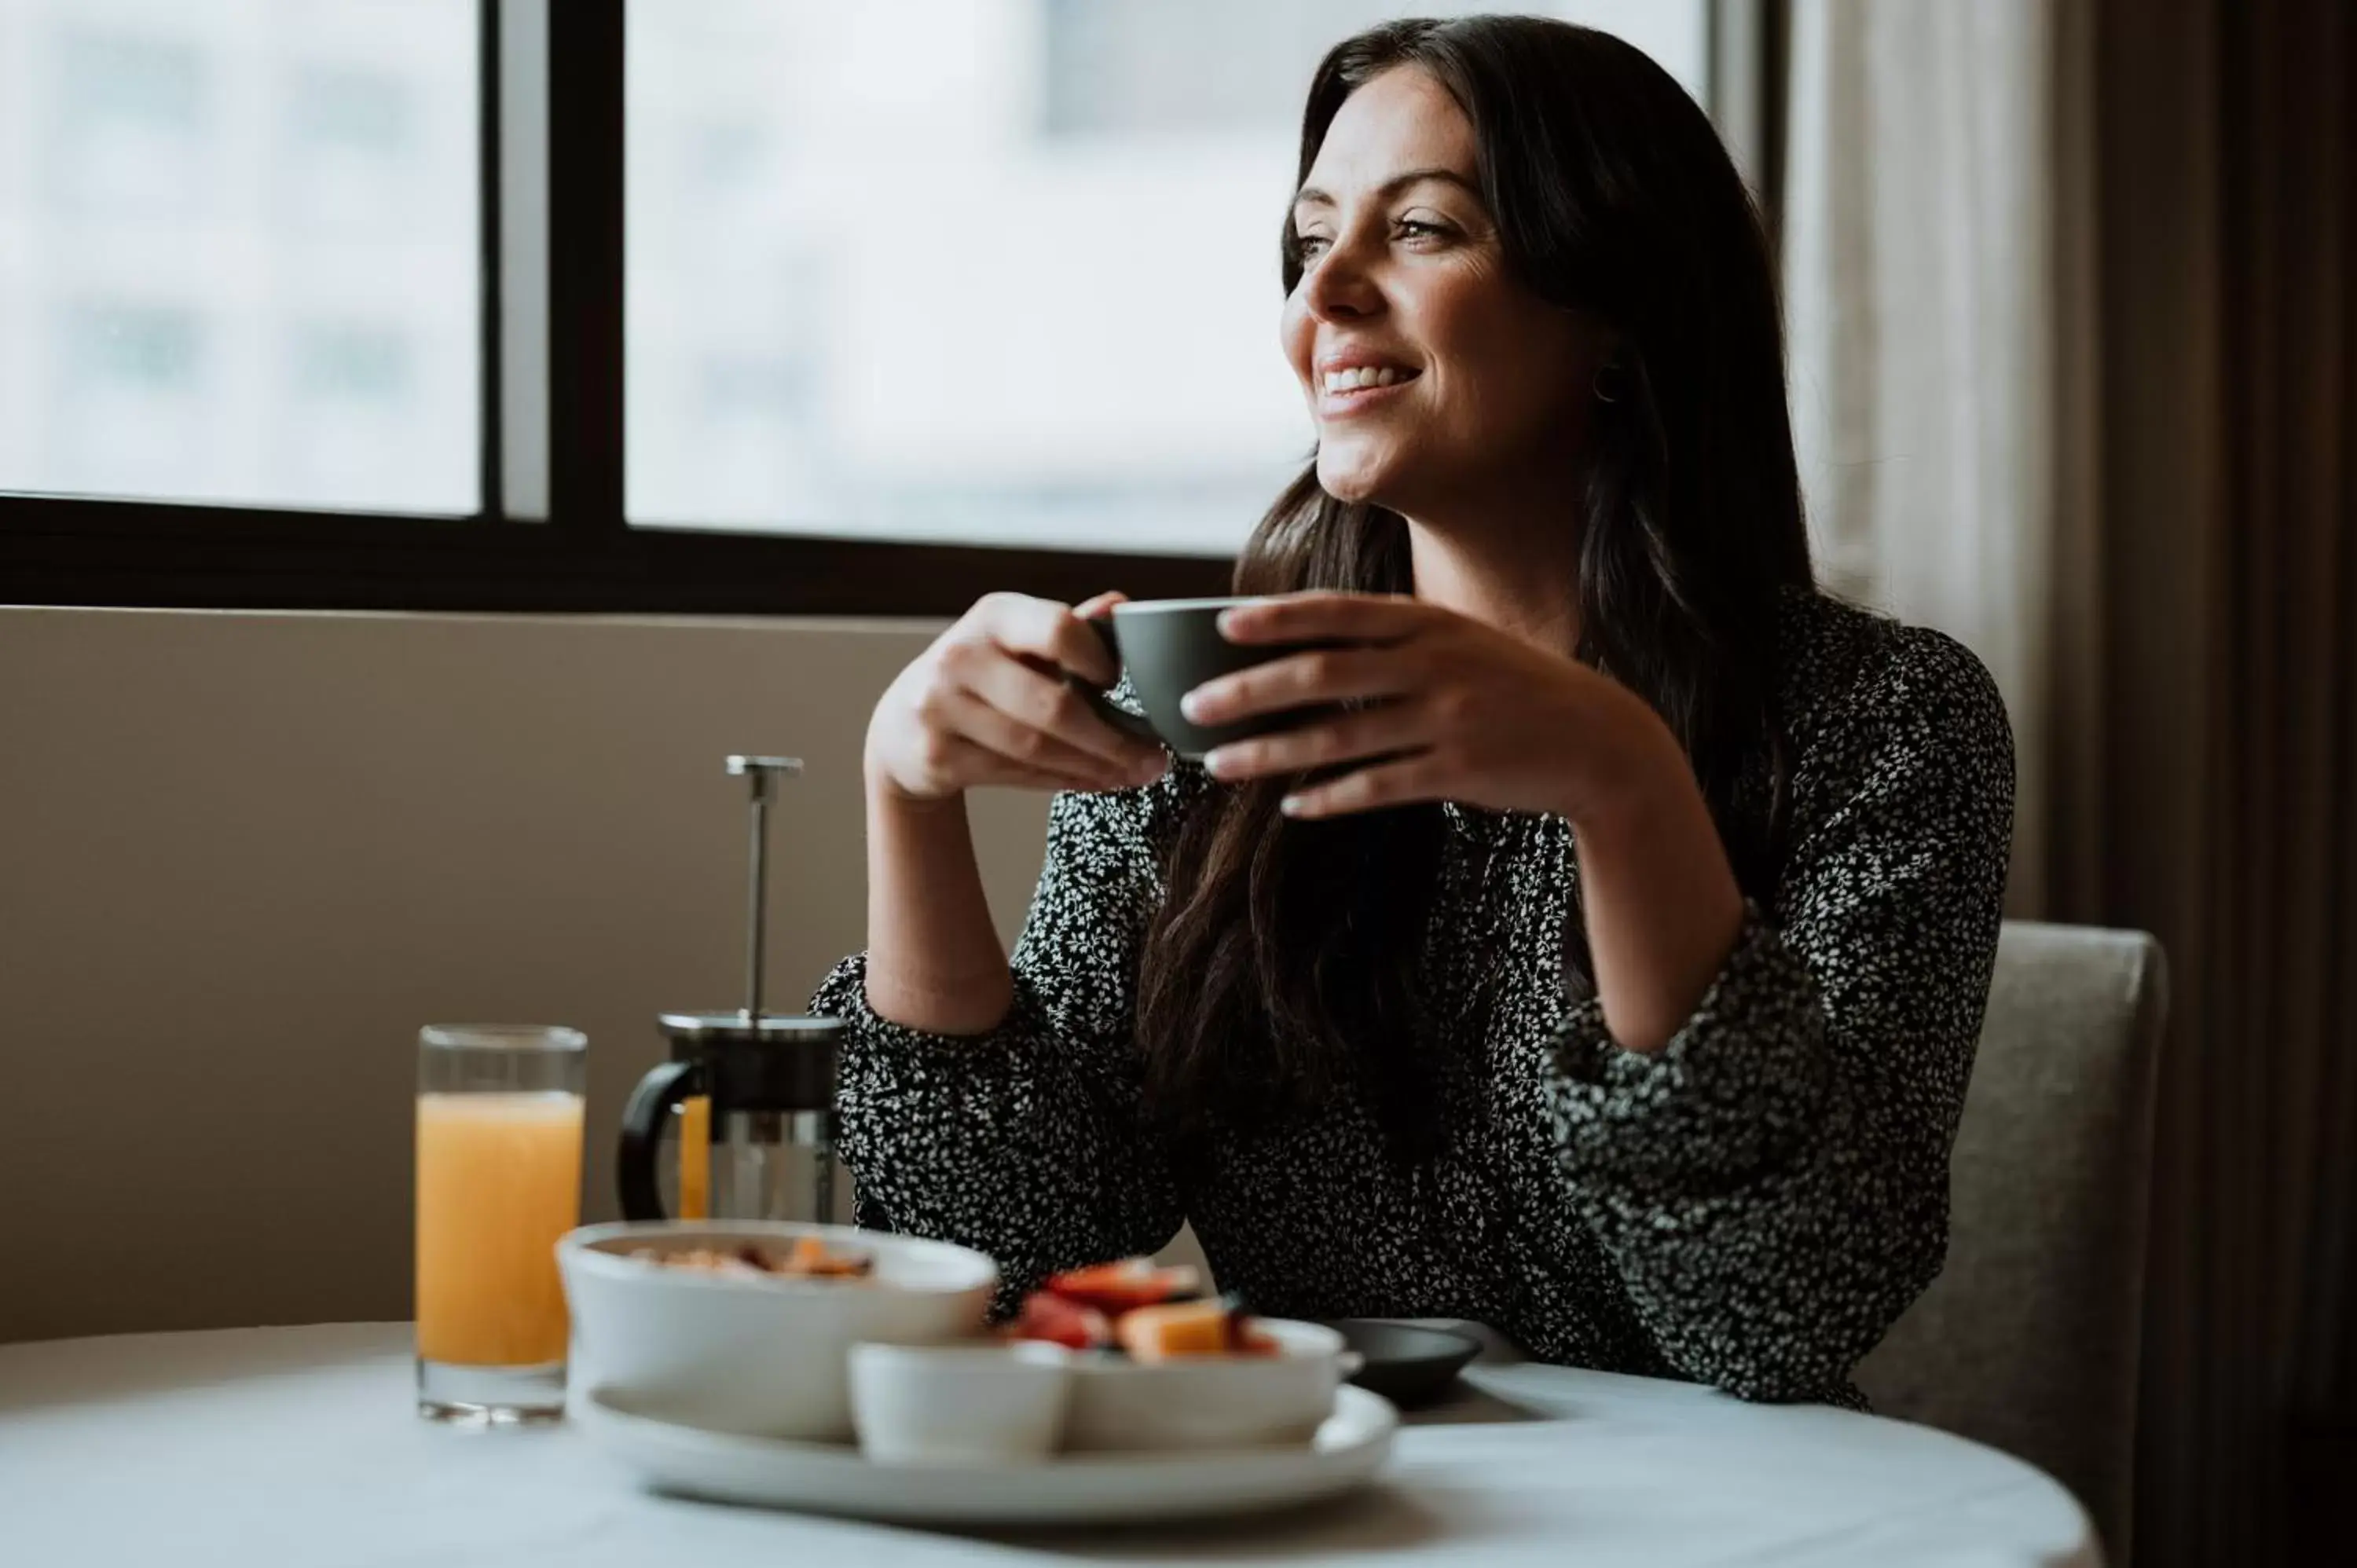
(1365, 378)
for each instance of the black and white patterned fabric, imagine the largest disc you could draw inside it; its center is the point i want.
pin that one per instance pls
(1751, 1208)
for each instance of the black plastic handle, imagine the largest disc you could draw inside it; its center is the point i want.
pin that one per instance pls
(651, 1103)
(1121, 718)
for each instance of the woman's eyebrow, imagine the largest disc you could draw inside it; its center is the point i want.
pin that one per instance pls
(1310, 196)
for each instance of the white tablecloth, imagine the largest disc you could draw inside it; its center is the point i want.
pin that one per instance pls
(299, 1446)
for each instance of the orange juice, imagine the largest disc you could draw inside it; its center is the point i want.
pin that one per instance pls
(696, 1157)
(499, 1180)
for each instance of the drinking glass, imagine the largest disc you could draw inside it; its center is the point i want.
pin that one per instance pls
(499, 1181)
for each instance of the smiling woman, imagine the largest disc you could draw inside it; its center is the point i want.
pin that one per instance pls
(1422, 367)
(1599, 951)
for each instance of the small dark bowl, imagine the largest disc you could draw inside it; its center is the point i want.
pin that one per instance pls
(1408, 1364)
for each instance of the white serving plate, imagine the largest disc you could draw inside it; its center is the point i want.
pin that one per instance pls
(1084, 1488)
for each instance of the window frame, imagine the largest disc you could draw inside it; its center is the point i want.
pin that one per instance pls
(551, 534)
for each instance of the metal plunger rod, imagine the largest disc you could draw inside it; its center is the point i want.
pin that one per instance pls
(764, 771)
(758, 900)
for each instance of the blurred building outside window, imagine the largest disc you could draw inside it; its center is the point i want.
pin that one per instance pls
(239, 259)
(972, 271)
(980, 271)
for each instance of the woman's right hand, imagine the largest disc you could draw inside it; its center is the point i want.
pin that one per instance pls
(988, 705)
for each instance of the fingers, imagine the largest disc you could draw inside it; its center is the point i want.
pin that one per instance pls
(1395, 783)
(1017, 745)
(978, 766)
(1298, 681)
(1049, 633)
(1326, 616)
(1090, 610)
(989, 704)
(1046, 706)
(1373, 732)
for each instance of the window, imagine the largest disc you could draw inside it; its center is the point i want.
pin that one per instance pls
(726, 306)
(979, 269)
(239, 254)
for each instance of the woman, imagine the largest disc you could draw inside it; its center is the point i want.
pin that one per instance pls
(1606, 967)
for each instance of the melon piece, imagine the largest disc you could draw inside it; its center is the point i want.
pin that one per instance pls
(1177, 1328)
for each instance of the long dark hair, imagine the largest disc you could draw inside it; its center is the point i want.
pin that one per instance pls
(1283, 955)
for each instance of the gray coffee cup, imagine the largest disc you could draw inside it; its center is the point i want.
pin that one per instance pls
(1169, 647)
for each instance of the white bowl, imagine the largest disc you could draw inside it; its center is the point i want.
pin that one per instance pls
(1209, 1401)
(959, 1404)
(760, 1356)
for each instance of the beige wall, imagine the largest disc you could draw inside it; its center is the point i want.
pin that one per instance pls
(244, 857)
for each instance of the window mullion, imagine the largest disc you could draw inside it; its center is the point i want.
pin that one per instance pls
(582, 236)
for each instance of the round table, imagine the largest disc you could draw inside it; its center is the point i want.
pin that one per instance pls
(299, 1445)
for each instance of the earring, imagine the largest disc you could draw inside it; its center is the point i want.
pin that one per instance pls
(1610, 383)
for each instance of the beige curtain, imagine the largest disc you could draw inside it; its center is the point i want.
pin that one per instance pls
(1928, 265)
(2074, 301)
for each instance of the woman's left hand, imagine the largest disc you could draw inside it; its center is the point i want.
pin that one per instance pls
(1454, 709)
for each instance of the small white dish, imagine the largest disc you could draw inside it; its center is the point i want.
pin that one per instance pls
(763, 1356)
(1209, 1401)
(959, 1404)
(1075, 1489)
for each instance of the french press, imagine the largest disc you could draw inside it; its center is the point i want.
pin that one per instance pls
(750, 1093)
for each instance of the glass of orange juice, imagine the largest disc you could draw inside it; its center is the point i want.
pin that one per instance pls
(499, 1180)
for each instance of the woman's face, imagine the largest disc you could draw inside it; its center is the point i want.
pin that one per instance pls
(1434, 376)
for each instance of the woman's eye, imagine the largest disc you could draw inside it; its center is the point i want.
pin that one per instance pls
(1418, 229)
(1310, 246)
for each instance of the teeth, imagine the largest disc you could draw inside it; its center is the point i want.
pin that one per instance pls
(1365, 376)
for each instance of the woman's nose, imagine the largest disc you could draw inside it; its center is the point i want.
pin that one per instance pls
(1340, 286)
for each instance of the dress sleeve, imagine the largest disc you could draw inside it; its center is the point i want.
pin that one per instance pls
(1773, 1185)
(1027, 1143)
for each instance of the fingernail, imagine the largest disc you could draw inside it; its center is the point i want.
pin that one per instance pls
(1292, 805)
(1215, 761)
(1191, 707)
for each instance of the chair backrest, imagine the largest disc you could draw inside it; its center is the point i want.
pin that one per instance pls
(2027, 1340)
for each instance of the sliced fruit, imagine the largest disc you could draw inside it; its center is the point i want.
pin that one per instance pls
(1249, 1341)
(1179, 1329)
(1059, 1322)
(810, 1256)
(1125, 1287)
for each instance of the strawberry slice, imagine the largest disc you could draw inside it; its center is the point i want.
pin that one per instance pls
(1072, 1324)
(1125, 1287)
(1246, 1338)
